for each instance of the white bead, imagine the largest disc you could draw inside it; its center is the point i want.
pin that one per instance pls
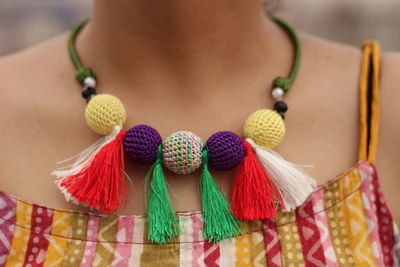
(278, 93)
(90, 82)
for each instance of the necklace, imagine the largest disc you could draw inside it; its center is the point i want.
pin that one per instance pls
(264, 182)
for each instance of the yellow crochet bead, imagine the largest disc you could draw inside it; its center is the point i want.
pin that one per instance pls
(104, 112)
(265, 127)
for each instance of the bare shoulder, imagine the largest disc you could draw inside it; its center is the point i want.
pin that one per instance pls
(390, 71)
(43, 62)
(390, 78)
(23, 76)
(33, 83)
(389, 138)
(35, 99)
(390, 113)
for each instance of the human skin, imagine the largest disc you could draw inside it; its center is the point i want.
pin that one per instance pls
(202, 66)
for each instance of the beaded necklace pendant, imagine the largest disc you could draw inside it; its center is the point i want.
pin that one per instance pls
(264, 182)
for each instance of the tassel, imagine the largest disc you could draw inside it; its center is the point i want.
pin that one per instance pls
(254, 196)
(294, 184)
(219, 222)
(97, 177)
(162, 220)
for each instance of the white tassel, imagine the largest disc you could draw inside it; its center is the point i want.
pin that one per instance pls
(81, 161)
(294, 184)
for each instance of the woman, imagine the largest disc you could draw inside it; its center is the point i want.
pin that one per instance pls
(202, 66)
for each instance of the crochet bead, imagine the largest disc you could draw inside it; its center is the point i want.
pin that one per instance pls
(278, 93)
(182, 152)
(104, 112)
(265, 127)
(141, 143)
(225, 150)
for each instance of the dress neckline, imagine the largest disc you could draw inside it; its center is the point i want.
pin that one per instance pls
(64, 223)
(331, 181)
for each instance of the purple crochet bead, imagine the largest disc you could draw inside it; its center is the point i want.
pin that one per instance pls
(225, 150)
(141, 143)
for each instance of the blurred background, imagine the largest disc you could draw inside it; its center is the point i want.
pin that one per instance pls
(24, 23)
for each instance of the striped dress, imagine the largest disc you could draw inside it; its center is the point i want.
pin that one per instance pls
(344, 222)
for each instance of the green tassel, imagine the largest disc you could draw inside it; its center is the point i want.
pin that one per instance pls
(219, 223)
(162, 220)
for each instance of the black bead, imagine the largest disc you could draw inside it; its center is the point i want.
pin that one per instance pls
(88, 93)
(281, 106)
(282, 114)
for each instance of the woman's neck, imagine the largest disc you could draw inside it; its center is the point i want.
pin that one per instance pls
(180, 38)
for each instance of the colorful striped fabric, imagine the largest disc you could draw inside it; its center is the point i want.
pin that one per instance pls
(343, 223)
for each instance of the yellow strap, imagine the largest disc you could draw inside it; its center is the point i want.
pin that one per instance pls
(369, 127)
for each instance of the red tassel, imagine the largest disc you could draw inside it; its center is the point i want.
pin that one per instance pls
(101, 182)
(254, 196)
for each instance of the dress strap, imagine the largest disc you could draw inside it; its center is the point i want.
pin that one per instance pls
(369, 100)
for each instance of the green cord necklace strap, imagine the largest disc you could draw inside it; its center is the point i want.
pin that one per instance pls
(81, 71)
(280, 82)
(286, 82)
